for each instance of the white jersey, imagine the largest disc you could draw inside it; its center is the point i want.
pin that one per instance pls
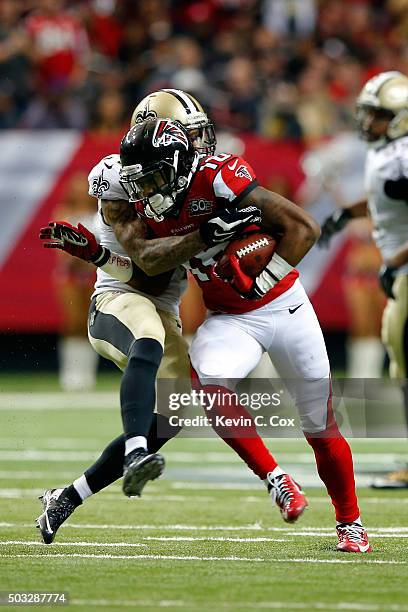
(390, 216)
(104, 184)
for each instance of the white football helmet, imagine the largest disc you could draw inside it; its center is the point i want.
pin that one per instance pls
(384, 96)
(179, 106)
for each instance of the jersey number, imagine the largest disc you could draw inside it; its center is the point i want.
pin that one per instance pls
(214, 161)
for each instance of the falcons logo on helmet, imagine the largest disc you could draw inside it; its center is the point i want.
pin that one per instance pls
(166, 133)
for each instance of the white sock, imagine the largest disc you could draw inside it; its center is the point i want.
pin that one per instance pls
(82, 488)
(365, 358)
(276, 472)
(357, 520)
(133, 443)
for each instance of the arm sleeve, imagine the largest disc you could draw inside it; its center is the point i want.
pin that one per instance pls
(234, 180)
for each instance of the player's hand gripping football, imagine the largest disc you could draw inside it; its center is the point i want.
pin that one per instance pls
(250, 288)
(333, 224)
(77, 241)
(227, 223)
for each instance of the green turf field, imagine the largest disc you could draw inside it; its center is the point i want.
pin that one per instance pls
(204, 537)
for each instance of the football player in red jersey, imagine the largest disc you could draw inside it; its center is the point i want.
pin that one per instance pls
(274, 314)
(165, 179)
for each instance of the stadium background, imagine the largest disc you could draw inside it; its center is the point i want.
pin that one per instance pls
(279, 78)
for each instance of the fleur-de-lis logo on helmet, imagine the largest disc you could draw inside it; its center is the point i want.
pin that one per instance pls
(99, 185)
(145, 114)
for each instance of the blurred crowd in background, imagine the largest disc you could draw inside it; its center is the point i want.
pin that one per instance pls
(285, 70)
(281, 68)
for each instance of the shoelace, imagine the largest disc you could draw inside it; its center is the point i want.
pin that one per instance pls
(282, 492)
(352, 532)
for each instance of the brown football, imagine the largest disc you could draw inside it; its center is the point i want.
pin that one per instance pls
(253, 251)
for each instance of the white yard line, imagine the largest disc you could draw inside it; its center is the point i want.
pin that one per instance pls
(81, 454)
(360, 561)
(39, 401)
(34, 493)
(291, 532)
(35, 475)
(220, 539)
(83, 544)
(134, 557)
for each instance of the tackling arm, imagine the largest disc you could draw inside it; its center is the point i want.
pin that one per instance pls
(153, 256)
(81, 243)
(157, 255)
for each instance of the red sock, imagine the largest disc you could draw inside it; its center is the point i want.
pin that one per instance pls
(335, 466)
(243, 437)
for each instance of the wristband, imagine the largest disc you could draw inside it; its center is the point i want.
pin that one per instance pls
(117, 266)
(278, 268)
(101, 256)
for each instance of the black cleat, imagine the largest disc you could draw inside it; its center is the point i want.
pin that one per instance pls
(57, 509)
(139, 467)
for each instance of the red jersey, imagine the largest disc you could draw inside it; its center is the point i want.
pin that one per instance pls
(220, 180)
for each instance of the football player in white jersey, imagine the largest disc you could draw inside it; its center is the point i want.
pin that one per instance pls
(137, 326)
(382, 117)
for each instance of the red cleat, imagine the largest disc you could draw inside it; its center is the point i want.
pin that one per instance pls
(352, 538)
(287, 494)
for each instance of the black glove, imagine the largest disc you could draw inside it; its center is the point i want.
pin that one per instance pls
(227, 223)
(333, 224)
(387, 278)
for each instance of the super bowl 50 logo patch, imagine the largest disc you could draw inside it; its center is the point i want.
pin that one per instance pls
(243, 172)
(99, 185)
(166, 133)
(199, 207)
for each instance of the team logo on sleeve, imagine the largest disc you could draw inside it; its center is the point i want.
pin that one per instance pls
(99, 185)
(243, 172)
(166, 132)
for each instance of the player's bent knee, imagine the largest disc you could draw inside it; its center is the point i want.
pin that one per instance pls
(147, 351)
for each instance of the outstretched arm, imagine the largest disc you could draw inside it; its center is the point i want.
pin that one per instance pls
(339, 219)
(81, 243)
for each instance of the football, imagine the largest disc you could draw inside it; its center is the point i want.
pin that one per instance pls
(253, 251)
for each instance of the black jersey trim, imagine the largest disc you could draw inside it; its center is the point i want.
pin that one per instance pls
(109, 328)
(246, 191)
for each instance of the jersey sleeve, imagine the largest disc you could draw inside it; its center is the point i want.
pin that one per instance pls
(103, 180)
(234, 180)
